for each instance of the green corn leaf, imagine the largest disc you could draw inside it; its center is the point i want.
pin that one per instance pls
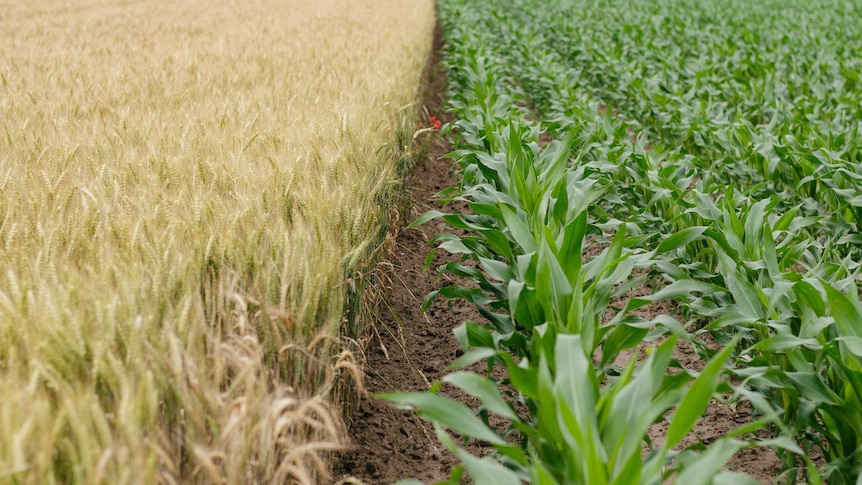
(575, 388)
(472, 356)
(474, 295)
(526, 266)
(486, 471)
(680, 239)
(471, 334)
(781, 442)
(814, 474)
(671, 291)
(539, 475)
(445, 411)
(489, 208)
(734, 241)
(696, 400)
(637, 407)
(744, 293)
(555, 155)
(485, 390)
(455, 246)
(522, 191)
(809, 297)
(470, 272)
(784, 340)
(770, 256)
(669, 323)
(630, 472)
(498, 243)
(758, 401)
(521, 312)
(812, 387)
(616, 272)
(609, 257)
(732, 478)
(845, 310)
(754, 225)
(502, 322)
(428, 216)
(621, 338)
(560, 200)
(519, 230)
(552, 288)
(461, 335)
(622, 428)
(852, 344)
(582, 442)
(578, 320)
(571, 248)
(524, 379)
(550, 427)
(722, 242)
(785, 221)
(498, 270)
(701, 470)
(459, 222)
(812, 327)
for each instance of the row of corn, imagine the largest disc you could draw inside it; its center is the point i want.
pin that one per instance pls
(722, 176)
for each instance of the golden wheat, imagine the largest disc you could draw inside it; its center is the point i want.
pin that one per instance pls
(186, 189)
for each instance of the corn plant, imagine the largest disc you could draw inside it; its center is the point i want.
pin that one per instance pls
(578, 429)
(531, 219)
(724, 175)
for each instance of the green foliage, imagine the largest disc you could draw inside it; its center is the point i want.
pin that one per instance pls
(698, 149)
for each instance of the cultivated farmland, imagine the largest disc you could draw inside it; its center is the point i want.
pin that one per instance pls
(189, 195)
(615, 155)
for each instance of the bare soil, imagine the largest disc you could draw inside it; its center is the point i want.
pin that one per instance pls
(411, 350)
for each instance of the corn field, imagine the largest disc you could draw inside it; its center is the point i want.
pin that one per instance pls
(707, 151)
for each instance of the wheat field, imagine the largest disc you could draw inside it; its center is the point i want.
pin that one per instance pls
(189, 193)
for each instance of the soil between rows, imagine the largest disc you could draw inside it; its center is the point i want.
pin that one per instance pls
(411, 350)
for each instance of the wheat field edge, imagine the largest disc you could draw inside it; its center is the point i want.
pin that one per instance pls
(185, 192)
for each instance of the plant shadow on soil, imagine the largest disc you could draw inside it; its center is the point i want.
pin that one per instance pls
(411, 350)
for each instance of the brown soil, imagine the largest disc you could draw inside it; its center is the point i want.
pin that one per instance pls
(410, 350)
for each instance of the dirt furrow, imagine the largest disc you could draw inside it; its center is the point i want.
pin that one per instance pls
(410, 349)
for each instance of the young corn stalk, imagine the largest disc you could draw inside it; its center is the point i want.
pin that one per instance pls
(527, 233)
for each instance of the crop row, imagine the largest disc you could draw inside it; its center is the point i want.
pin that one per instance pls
(728, 188)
